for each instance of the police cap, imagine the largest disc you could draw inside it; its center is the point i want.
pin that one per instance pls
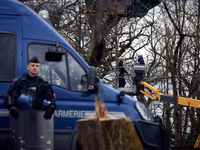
(33, 60)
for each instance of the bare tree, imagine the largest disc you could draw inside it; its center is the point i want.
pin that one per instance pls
(172, 39)
(175, 43)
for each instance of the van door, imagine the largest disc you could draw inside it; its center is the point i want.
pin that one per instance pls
(10, 42)
(69, 81)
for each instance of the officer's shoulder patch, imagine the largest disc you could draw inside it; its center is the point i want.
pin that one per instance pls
(18, 79)
(21, 79)
(15, 79)
(14, 82)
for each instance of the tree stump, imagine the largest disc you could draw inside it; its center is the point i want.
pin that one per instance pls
(104, 133)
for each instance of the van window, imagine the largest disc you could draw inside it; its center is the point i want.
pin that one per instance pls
(67, 73)
(53, 72)
(7, 57)
(77, 75)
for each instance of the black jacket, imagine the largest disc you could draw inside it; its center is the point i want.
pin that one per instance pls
(141, 61)
(121, 69)
(34, 86)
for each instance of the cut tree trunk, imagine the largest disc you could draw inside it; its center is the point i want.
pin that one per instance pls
(104, 133)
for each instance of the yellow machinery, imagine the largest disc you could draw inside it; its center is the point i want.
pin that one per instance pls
(156, 95)
(197, 143)
(169, 98)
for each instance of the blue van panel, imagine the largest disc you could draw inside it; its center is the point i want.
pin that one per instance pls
(13, 25)
(33, 25)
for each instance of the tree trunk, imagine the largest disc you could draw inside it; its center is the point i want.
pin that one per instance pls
(96, 51)
(104, 133)
(108, 134)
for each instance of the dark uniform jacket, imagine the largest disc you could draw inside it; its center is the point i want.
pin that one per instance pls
(34, 86)
(141, 62)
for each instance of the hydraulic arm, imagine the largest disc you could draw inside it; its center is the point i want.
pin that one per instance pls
(197, 143)
(156, 95)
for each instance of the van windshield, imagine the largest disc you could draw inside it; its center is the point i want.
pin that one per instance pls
(66, 73)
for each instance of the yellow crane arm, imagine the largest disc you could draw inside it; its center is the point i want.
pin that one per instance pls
(181, 101)
(197, 143)
(185, 101)
(157, 94)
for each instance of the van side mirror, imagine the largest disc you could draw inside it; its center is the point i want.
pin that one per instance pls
(54, 53)
(53, 56)
(92, 80)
